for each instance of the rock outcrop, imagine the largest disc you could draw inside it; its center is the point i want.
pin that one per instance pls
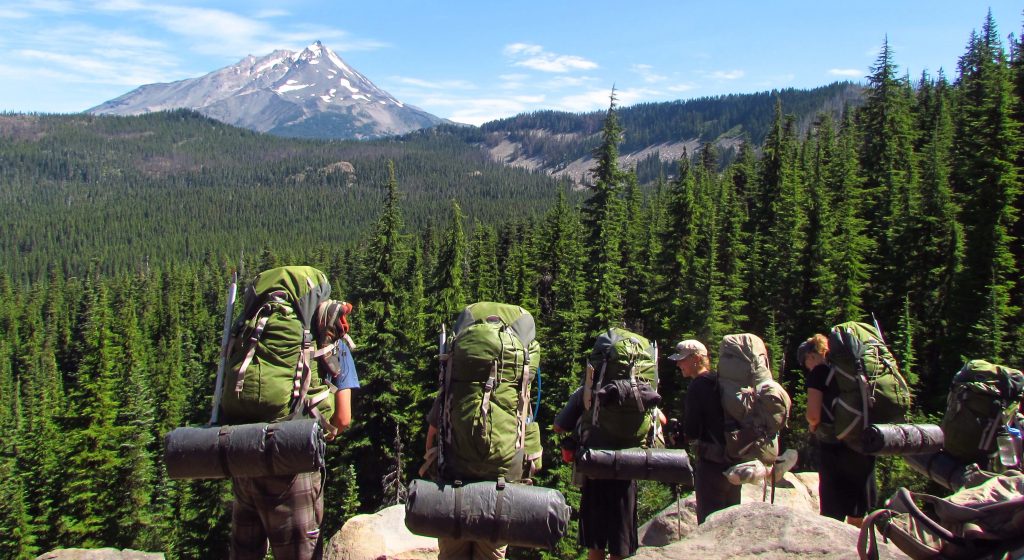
(99, 554)
(796, 490)
(380, 535)
(765, 531)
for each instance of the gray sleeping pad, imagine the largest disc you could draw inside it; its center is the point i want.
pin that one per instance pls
(901, 439)
(246, 450)
(671, 466)
(516, 514)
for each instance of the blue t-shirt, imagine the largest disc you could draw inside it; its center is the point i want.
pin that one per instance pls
(347, 378)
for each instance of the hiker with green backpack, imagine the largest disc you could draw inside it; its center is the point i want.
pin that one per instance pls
(853, 382)
(619, 411)
(287, 358)
(480, 428)
(846, 483)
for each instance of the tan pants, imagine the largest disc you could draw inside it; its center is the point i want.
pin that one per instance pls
(452, 549)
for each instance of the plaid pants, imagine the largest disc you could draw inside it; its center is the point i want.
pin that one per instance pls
(286, 510)
(454, 549)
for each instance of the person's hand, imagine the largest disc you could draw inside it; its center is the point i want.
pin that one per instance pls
(568, 456)
(812, 427)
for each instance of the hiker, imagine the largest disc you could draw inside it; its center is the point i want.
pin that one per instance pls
(847, 478)
(285, 366)
(704, 425)
(457, 549)
(487, 366)
(619, 411)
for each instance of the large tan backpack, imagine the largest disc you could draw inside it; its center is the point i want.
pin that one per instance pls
(756, 406)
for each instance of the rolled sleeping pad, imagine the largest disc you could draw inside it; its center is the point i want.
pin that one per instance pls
(246, 450)
(499, 513)
(940, 467)
(662, 465)
(901, 439)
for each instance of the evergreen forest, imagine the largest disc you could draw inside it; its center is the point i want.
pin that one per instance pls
(114, 260)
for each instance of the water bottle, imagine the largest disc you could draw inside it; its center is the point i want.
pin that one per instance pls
(1007, 449)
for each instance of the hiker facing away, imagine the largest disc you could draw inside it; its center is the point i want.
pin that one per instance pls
(271, 343)
(846, 483)
(704, 425)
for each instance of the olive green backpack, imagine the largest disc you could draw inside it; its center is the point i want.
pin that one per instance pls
(276, 343)
(871, 388)
(620, 392)
(982, 397)
(487, 367)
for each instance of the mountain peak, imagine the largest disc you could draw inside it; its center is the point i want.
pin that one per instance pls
(284, 92)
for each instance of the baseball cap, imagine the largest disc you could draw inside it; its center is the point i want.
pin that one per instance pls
(687, 347)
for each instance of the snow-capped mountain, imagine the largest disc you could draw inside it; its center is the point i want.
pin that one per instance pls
(312, 93)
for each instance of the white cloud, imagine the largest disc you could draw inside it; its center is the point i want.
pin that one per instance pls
(433, 84)
(646, 72)
(13, 13)
(271, 13)
(482, 109)
(846, 72)
(681, 88)
(56, 6)
(600, 99)
(92, 69)
(727, 74)
(536, 58)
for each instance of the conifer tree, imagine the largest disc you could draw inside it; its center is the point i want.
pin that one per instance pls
(845, 272)
(938, 237)
(450, 274)
(483, 269)
(986, 145)
(92, 451)
(604, 216)
(679, 243)
(887, 164)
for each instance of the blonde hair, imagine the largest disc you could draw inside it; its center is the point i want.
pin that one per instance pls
(817, 344)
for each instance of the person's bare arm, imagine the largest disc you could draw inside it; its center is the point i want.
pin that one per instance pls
(342, 418)
(814, 401)
(431, 436)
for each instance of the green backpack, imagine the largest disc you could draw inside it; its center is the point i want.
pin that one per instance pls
(276, 342)
(487, 367)
(982, 398)
(620, 392)
(756, 406)
(871, 389)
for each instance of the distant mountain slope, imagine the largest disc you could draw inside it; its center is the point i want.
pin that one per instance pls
(311, 94)
(656, 134)
(176, 185)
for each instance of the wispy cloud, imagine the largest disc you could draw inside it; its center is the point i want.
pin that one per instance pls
(271, 13)
(212, 31)
(433, 84)
(13, 13)
(681, 88)
(646, 72)
(478, 110)
(536, 58)
(846, 72)
(596, 99)
(728, 74)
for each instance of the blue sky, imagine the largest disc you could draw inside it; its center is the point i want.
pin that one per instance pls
(477, 60)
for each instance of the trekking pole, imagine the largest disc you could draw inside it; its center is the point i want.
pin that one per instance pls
(679, 511)
(878, 328)
(225, 337)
